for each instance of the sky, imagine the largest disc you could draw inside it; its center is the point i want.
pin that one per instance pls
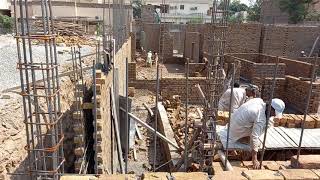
(247, 2)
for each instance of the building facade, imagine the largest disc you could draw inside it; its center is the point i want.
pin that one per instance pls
(5, 6)
(183, 11)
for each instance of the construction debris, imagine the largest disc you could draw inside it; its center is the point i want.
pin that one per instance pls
(63, 28)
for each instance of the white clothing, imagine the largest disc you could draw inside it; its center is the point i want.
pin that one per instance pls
(248, 120)
(149, 58)
(239, 97)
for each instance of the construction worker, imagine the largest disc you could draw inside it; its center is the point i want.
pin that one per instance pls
(240, 95)
(149, 59)
(247, 124)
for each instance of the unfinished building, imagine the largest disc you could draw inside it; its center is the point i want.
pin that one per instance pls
(117, 114)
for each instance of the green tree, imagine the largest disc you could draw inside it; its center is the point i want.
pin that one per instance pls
(6, 22)
(254, 11)
(296, 9)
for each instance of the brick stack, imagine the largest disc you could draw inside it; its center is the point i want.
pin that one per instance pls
(78, 127)
(295, 121)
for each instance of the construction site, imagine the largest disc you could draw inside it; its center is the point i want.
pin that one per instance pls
(88, 92)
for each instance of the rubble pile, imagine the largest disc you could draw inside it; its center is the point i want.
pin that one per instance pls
(63, 28)
(75, 40)
(176, 114)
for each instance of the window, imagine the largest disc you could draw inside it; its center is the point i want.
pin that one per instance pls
(164, 8)
(194, 8)
(173, 7)
(181, 7)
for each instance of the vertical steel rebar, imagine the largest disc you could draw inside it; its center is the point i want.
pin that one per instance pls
(156, 120)
(307, 106)
(269, 110)
(127, 117)
(230, 112)
(186, 128)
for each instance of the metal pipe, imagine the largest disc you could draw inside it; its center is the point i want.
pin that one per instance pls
(230, 111)
(225, 162)
(174, 145)
(186, 130)
(269, 110)
(127, 117)
(156, 120)
(307, 106)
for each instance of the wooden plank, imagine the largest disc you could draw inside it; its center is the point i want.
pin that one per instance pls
(116, 128)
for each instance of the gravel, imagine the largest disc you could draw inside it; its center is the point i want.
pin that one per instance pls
(9, 74)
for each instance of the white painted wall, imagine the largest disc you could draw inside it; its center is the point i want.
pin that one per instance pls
(202, 6)
(192, 8)
(5, 4)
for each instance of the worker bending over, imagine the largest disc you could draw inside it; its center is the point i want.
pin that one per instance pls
(240, 96)
(249, 121)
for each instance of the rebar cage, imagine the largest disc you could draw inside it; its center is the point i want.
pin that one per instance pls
(40, 91)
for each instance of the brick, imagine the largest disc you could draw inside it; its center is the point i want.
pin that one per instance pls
(117, 176)
(77, 115)
(271, 165)
(100, 81)
(262, 175)
(155, 176)
(87, 106)
(79, 151)
(297, 174)
(230, 175)
(98, 73)
(78, 139)
(190, 176)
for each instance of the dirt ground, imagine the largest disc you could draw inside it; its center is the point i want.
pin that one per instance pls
(165, 70)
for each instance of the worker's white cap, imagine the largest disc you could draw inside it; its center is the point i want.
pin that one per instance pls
(278, 105)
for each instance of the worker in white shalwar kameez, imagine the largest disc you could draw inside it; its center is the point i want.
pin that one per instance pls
(240, 95)
(149, 59)
(249, 121)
